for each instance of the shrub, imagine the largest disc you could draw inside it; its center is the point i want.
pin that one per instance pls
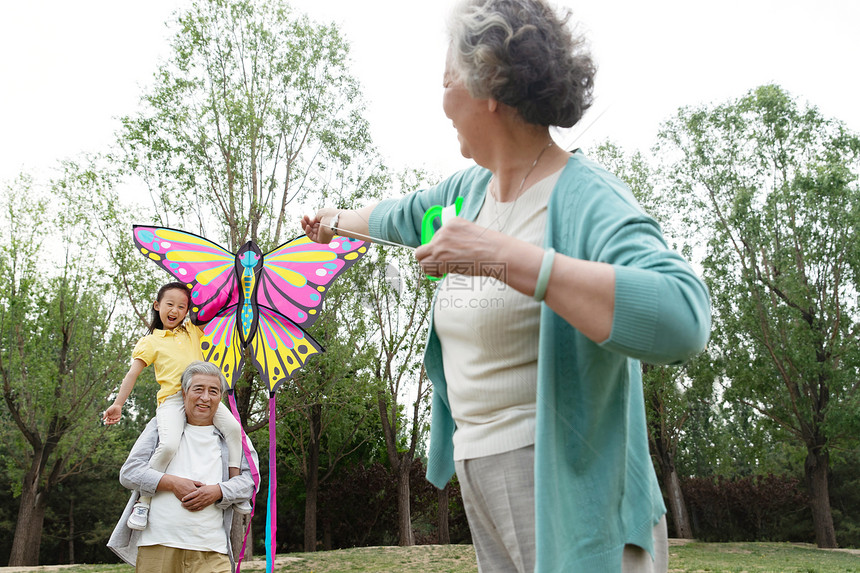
(754, 508)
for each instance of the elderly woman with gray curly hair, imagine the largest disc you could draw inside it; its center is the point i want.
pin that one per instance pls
(559, 285)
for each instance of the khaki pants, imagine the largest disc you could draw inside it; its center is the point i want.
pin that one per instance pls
(499, 496)
(161, 559)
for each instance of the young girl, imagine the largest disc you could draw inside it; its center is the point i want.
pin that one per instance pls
(171, 346)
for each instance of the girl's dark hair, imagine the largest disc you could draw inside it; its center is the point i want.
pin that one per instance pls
(154, 317)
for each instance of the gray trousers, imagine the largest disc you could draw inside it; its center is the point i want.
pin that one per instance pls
(499, 498)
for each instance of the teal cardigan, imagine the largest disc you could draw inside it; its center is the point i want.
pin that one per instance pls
(595, 486)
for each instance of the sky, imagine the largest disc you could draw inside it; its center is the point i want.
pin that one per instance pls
(70, 69)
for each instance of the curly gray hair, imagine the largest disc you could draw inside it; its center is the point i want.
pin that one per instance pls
(523, 54)
(199, 367)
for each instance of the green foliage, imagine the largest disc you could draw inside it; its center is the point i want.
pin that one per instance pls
(762, 194)
(339, 379)
(254, 109)
(845, 497)
(773, 188)
(98, 214)
(398, 299)
(328, 410)
(62, 348)
(59, 350)
(84, 509)
(253, 113)
(399, 304)
(677, 402)
(768, 191)
(636, 172)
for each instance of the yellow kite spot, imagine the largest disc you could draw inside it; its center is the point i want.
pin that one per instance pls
(206, 276)
(181, 236)
(303, 257)
(198, 257)
(291, 276)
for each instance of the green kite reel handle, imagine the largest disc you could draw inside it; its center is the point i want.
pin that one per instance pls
(428, 223)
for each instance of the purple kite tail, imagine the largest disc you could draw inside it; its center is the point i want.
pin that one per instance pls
(255, 474)
(271, 508)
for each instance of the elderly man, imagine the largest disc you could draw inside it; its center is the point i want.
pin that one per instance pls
(192, 504)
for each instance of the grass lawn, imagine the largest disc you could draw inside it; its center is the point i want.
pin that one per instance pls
(760, 557)
(421, 558)
(689, 558)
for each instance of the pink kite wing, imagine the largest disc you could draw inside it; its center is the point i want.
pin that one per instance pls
(280, 347)
(207, 268)
(296, 275)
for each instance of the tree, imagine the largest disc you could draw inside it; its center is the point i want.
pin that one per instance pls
(672, 395)
(254, 111)
(400, 308)
(635, 170)
(60, 346)
(329, 406)
(770, 188)
(668, 390)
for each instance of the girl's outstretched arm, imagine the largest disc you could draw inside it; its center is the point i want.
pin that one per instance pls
(114, 413)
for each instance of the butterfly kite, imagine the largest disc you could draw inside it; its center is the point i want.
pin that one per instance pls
(254, 303)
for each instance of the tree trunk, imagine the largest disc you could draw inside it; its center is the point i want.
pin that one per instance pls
(816, 468)
(312, 479)
(401, 463)
(242, 394)
(311, 488)
(443, 532)
(237, 537)
(327, 544)
(404, 512)
(660, 444)
(28, 529)
(72, 531)
(677, 505)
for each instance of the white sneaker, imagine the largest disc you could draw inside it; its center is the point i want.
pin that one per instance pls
(242, 508)
(139, 515)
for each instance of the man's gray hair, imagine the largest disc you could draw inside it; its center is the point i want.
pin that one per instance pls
(199, 367)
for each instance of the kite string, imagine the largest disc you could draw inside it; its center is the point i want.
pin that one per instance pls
(372, 239)
(255, 475)
(393, 244)
(271, 503)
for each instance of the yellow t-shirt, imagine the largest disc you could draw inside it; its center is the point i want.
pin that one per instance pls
(170, 351)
